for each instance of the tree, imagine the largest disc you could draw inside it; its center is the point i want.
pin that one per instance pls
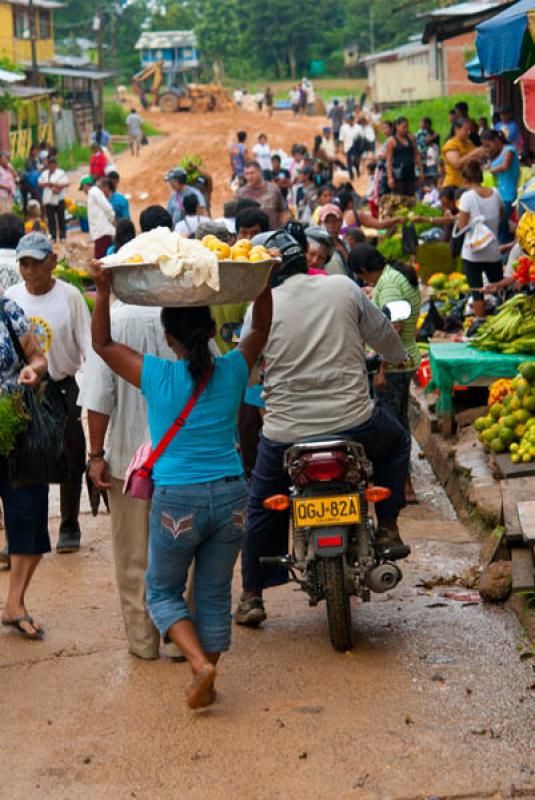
(218, 32)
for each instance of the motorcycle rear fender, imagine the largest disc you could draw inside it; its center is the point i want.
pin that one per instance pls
(329, 551)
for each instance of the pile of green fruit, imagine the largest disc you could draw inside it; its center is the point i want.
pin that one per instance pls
(510, 424)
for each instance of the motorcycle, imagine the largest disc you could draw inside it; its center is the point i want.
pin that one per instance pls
(333, 554)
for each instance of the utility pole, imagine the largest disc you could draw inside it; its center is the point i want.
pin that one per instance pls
(100, 92)
(31, 24)
(372, 29)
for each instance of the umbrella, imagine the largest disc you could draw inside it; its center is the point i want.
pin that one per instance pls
(500, 40)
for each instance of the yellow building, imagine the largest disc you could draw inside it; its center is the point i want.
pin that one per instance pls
(16, 31)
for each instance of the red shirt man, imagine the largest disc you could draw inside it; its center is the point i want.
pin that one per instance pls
(98, 162)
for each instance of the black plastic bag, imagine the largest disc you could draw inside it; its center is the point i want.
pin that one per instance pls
(409, 239)
(433, 322)
(40, 456)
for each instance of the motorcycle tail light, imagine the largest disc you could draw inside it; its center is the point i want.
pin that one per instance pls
(318, 467)
(279, 502)
(330, 541)
(374, 494)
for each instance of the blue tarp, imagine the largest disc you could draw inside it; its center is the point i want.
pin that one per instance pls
(473, 70)
(499, 39)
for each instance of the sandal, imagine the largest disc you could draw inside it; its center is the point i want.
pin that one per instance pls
(16, 623)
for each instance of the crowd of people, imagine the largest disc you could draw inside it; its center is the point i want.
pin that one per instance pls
(138, 368)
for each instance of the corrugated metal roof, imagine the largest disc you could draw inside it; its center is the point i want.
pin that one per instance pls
(463, 9)
(51, 4)
(396, 53)
(71, 61)
(11, 77)
(156, 40)
(65, 72)
(25, 92)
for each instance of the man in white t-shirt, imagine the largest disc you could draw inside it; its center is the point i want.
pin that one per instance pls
(53, 182)
(100, 213)
(262, 152)
(61, 322)
(349, 132)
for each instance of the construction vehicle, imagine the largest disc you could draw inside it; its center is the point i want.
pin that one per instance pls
(196, 97)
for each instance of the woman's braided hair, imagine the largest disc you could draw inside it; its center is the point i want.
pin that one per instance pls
(192, 328)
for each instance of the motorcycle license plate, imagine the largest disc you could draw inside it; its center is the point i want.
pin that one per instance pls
(312, 512)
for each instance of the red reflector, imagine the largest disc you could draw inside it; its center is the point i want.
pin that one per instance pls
(329, 469)
(330, 541)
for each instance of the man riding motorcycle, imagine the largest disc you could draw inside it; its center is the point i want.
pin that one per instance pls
(315, 384)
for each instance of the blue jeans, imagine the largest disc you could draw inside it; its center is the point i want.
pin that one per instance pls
(387, 445)
(205, 522)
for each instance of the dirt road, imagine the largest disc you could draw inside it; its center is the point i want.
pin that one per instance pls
(434, 701)
(210, 136)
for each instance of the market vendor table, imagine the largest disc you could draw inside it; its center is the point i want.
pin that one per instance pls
(457, 363)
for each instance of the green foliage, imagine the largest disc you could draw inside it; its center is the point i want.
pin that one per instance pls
(115, 120)
(438, 109)
(13, 419)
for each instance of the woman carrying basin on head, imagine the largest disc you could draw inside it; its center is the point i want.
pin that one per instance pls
(198, 507)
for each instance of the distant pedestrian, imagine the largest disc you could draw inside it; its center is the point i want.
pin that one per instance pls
(7, 183)
(98, 161)
(100, 214)
(101, 136)
(192, 219)
(118, 201)
(268, 94)
(402, 160)
(294, 95)
(505, 166)
(53, 182)
(510, 128)
(134, 124)
(336, 115)
(239, 155)
(262, 153)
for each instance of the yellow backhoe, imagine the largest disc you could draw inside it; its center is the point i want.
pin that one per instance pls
(196, 97)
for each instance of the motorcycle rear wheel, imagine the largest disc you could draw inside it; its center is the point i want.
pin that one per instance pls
(338, 604)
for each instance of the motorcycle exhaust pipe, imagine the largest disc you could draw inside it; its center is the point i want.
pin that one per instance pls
(383, 577)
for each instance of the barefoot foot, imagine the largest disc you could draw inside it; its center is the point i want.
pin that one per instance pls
(201, 692)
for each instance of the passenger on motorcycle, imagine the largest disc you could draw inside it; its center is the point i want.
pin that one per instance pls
(316, 384)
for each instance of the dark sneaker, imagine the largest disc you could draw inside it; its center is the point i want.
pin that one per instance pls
(250, 612)
(68, 543)
(387, 538)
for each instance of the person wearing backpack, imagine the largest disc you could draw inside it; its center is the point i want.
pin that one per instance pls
(480, 212)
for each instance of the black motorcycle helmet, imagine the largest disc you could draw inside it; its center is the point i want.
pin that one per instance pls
(293, 256)
(297, 230)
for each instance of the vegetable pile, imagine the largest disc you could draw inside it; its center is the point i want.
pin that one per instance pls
(524, 270)
(13, 419)
(512, 330)
(509, 424)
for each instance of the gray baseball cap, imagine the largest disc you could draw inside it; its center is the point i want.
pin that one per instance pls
(34, 245)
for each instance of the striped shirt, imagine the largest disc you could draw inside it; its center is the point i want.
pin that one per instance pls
(392, 285)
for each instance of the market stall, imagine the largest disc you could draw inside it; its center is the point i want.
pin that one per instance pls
(456, 363)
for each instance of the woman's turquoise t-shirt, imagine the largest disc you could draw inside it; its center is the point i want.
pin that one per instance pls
(204, 449)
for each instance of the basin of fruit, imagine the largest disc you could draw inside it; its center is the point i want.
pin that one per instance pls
(163, 269)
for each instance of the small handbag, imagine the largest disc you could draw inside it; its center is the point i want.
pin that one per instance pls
(138, 482)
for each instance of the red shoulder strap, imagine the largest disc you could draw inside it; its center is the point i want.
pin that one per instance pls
(179, 423)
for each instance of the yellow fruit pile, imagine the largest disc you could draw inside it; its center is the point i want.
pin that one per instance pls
(525, 232)
(498, 390)
(243, 250)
